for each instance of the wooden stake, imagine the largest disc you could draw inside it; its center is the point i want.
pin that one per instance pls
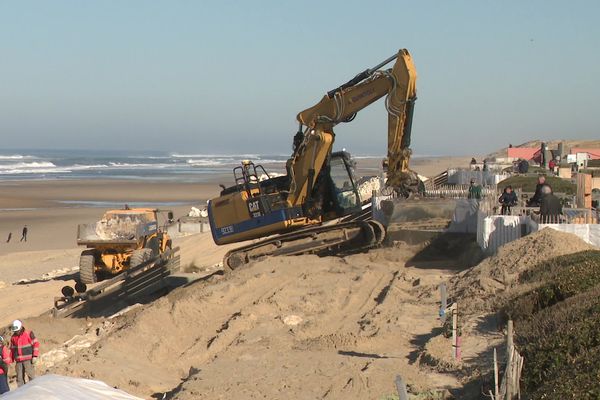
(519, 370)
(444, 302)
(509, 339)
(455, 332)
(509, 361)
(401, 388)
(496, 383)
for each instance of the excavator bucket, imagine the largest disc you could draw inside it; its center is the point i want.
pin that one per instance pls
(410, 219)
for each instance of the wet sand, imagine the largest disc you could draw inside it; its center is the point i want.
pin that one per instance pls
(53, 209)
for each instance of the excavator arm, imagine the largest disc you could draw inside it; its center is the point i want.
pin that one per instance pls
(343, 103)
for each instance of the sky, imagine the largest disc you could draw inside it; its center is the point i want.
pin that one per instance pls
(230, 76)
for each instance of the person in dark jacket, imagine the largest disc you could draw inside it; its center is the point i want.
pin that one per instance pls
(507, 199)
(24, 234)
(537, 196)
(550, 207)
(523, 166)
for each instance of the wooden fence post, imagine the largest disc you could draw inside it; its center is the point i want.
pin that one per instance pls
(509, 338)
(455, 339)
(444, 302)
(401, 388)
(496, 384)
(509, 360)
(519, 370)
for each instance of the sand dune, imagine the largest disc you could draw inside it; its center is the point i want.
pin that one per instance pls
(296, 327)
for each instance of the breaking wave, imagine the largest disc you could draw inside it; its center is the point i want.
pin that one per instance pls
(15, 157)
(65, 164)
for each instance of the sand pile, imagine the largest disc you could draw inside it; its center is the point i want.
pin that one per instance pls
(120, 227)
(290, 327)
(497, 276)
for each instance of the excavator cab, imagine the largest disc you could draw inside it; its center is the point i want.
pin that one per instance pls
(344, 194)
(247, 177)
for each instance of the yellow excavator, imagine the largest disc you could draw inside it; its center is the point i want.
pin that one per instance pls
(311, 208)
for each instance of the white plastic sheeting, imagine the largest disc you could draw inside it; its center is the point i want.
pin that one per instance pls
(196, 212)
(377, 210)
(464, 219)
(589, 233)
(57, 387)
(464, 176)
(366, 188)
(496, 230)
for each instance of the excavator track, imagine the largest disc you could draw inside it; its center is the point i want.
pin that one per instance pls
(340, 238)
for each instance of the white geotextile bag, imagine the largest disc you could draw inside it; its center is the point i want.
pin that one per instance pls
(589, 233)
(57, 387)
(464, 219)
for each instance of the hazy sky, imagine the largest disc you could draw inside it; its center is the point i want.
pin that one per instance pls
(230, 76)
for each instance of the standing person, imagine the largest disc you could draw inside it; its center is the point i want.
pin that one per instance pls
(507, 199)
(9, 237)
(550, 207)
(25, 351)
(4, 362)
(474, 190)
(537, 196)
(24, 235)
(523, 167)
(473, 164)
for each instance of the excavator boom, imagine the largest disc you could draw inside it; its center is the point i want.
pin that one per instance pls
(343, 103)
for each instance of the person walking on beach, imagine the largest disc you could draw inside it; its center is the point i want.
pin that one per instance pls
(9, 237)
(25, 350)
(24, 235)
(5, 360)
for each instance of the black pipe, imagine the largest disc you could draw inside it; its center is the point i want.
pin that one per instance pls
(360, 77)
(410, 108)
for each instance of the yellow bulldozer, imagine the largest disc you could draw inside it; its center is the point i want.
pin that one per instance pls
(120, 240)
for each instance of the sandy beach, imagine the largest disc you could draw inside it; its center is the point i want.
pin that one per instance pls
(53, 209)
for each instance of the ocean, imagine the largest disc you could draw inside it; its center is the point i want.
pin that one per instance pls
(77, 164)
